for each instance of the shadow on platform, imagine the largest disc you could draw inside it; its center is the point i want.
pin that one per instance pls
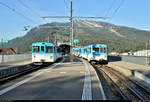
(74, 59)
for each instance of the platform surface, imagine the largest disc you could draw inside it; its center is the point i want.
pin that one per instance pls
(65, 80)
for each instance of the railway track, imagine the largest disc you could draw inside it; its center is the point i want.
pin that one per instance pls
(9, 74)
(123, 87)
(12, 73)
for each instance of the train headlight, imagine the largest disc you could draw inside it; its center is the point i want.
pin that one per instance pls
(33, 56)
(105, 57)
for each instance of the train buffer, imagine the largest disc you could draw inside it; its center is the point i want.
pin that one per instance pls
(64, 80)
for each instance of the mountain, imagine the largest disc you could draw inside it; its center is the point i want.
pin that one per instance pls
(118, 38)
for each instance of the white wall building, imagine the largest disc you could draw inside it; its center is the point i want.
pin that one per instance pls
(142, 53)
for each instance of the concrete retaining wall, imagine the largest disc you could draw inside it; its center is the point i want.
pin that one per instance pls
(15, 58)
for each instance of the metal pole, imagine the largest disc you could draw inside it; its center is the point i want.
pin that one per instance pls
(72, 21)
(48, 39)
(146, 55)
(71, 30)
(2, 51)
(71, 27)
(55, 39)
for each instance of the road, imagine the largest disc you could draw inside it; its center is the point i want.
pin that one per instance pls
(132, 59)
(135, 59)
(61, 81)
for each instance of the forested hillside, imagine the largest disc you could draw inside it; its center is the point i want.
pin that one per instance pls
(118, 38)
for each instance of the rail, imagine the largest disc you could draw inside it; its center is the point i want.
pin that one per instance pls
(10, 73)
(123, 86)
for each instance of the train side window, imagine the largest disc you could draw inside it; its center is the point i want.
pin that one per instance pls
(80, 51)
(54, 49)
(49, 49)
(89, 50)
(84, 50)
(58, 50)
(36, 49)
(42, 49)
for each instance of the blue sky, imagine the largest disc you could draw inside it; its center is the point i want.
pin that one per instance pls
(133, 13)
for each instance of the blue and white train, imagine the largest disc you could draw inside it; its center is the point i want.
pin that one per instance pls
(44, 52)
(93, 53)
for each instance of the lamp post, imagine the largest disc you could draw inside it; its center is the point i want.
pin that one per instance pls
(147, 62)
(2, 50)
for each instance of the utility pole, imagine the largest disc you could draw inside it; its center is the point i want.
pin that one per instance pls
(49, 38)
(55, 39)
(147, 62)
(71, 17)
(2, 50)
(71, 27)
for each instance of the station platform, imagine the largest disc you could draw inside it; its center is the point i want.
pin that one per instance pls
(141, 72)
(14, 64)
(69, 79)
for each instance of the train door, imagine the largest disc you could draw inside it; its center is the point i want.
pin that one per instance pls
(89, 53)
(35, 53)
(49, 53)
(42, 56)
(86, 54)
(54, 53)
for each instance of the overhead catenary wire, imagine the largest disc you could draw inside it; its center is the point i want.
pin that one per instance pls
(14, 10)
(31, 9)
(65, 2)
(110, 7)
(117, 9)
(75, 17)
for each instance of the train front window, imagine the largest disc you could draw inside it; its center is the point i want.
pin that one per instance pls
(36, 49)
(49, 49)
(42, 49)
(104, 50)
(95, 50)
(100, 50)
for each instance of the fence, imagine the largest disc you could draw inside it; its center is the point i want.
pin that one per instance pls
(14, 58)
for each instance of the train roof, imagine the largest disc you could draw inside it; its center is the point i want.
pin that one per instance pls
(93, 45)
(43, 43)
(98, 45)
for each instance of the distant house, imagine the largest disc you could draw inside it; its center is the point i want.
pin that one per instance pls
(8, 51)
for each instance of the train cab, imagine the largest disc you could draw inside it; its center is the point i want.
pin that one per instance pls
(43, 52)
(97, 53)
